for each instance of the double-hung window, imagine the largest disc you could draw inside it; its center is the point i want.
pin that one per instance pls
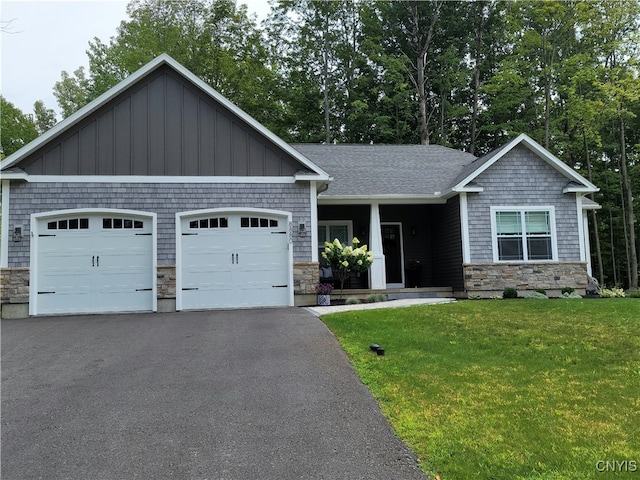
(523, 234)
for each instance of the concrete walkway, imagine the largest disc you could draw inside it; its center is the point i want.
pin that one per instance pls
(407, 302)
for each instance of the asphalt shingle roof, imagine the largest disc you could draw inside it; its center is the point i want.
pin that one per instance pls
(394, 170)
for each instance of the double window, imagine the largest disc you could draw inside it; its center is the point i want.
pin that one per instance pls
(523, 234)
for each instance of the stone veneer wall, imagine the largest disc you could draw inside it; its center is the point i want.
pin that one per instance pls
(166, 275)
(485, 279)
(15, 285)
(305, 276)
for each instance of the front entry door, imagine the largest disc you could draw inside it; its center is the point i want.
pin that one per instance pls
(392, 249)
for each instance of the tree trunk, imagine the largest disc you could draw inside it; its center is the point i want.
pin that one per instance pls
(630, 217)
(422, 102)
(422, 51)
(325, 75)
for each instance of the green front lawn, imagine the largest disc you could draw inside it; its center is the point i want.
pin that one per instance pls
(507, 389)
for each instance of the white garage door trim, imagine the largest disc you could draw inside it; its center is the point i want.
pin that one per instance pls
(37, 219)
(234, 211)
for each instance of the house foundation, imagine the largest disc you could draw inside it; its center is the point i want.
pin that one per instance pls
(489, 279)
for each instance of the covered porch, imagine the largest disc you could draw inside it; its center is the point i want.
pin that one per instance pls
(416, 245)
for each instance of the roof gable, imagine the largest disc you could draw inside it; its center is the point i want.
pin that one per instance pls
(576, 182)
(161, 121)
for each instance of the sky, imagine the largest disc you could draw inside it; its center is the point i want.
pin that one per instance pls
(40, 39)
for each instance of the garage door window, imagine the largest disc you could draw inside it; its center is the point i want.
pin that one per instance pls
(258, 222)
(120, 223)
(69, 224)
(213, 222)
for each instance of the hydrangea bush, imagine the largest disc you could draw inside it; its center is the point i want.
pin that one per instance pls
(347, 259)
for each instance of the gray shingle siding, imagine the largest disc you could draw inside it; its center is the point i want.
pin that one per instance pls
(521, 178)
(163, 199)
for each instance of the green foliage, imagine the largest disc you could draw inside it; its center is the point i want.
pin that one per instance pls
(510, 389)
(614, 292)
(74, 92)
(376, 297)
(17, 128)
(352, 301)
(633, 294)
(568, 290)
(347, 259)
(573, 295)
(215, 39)
(541, 290)
(510, 293)
(45, 118)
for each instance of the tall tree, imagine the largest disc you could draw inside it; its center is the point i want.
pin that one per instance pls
(44, 117)
(215, 39)
(320, 42)
(17, 128)
(614, 31)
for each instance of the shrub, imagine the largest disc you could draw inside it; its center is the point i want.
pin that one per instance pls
(510, 293)
(376, 297)
(346, 259)
(568, 290)
(614, 292)
(352, 301)
(633, 293)
(571, 295)
(541, 290)
(537, 295)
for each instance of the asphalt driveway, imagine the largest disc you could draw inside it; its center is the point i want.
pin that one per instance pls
(244, 394)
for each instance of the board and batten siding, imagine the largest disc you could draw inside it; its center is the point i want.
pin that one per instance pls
(162, 125)
(163, 199)
(521, 178)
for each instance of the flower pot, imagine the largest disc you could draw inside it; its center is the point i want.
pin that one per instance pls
(324, 300)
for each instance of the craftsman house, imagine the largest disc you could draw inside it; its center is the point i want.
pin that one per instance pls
(162, 195)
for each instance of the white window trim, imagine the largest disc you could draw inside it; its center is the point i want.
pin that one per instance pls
(524, 208)
(327, 223)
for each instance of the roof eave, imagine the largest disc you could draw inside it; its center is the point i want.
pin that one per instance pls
(313, 176)
(595, 206)
(580, 189)
(380, 199)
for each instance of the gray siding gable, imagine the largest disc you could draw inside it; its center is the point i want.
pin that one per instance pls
(162, 125)
(522, 178)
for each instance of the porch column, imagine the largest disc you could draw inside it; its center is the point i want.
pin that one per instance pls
(377, 272)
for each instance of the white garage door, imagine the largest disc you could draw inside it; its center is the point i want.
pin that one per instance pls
(233, 260)
(94, 263)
